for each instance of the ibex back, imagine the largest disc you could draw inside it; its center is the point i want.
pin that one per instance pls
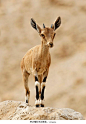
(37, 61)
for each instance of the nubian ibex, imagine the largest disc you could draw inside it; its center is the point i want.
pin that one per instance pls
(37, 61)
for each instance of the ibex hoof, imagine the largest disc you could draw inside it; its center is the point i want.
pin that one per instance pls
(42, 105)
(37, 105)
(26, 101)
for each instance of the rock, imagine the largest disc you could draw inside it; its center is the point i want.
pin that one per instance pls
(17, 110)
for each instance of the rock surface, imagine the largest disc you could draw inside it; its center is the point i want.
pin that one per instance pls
(17, 110)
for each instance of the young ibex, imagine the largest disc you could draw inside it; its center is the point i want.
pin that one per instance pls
(37, 61)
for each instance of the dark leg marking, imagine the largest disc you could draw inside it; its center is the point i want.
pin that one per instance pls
(36, 79)
(37, 93)
(42, 94)
(44, 80)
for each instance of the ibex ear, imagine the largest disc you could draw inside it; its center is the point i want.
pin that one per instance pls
(35, 26)
(56, 24)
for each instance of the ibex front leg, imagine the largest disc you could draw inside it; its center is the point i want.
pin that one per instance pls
(37, 86)
(43, 84)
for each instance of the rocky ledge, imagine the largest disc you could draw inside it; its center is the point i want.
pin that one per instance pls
(17, 110)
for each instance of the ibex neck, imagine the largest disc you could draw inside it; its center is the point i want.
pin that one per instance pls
(44, 50)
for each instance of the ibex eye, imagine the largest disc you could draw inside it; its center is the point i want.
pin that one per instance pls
(43, 35)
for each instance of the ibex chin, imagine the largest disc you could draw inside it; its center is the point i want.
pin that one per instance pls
(37, 61)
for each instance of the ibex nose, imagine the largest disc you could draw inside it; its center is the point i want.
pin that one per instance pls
(51, 44)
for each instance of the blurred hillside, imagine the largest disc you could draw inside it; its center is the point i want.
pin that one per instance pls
(66, 84)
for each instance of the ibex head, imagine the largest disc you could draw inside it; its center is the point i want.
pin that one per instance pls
(47, 34)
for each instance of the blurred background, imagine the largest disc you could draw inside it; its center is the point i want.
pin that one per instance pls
(66, 83)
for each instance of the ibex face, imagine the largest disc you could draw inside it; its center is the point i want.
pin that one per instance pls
(47, 34)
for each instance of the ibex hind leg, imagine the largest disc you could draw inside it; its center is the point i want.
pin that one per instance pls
(27, 92)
